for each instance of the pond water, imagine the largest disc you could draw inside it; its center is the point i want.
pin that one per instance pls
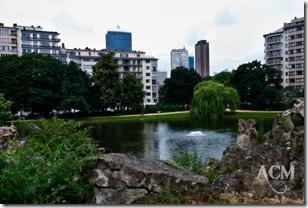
(163, 139)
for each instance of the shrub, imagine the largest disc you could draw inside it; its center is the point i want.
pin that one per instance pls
(49, 167)
(189, 160)
(162, 108)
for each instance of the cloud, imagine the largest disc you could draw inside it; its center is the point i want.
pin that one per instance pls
(64, 22)
(225, 18)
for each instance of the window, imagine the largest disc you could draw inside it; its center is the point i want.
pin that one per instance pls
(148, 94)
(147, 74)
(148, 87)
(154, 95)
(148, 67)
(148, 100)
(154, 68)
(147, 81)
(147, 61)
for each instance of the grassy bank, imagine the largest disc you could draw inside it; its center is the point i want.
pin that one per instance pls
(139, 117)
(176, 115)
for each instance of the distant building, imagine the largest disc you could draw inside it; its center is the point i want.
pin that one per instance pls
(161, 76)
(284, 50)
(37, 40)
(202, 55)
(118, 41)
(179, 58)
(136, 62)
(191, 62)
(8, 40)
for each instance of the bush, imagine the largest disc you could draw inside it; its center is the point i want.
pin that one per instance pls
(5, 113)
(162, 108)
(189, 160)
(49, 167)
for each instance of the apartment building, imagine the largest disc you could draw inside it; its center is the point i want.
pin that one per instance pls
(284, 50)
(35, 39)
(21, 40)
(179, 58)
(136, 62)
(8, 40)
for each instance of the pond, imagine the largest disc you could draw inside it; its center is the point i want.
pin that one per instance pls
(163, 139)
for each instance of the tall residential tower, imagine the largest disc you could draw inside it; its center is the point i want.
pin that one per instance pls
(202, 56)
(284, 50)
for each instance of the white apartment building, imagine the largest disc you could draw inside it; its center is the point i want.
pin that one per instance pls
(179, 58)
(143, 66)
(284, 50)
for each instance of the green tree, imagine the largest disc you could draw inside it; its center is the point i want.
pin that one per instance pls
(5, 113)
(180, 87)
(32, 82)
(75, 87)
(132, 94)
(211, 99)
(106, 80)
(289, 96)
(253, 81)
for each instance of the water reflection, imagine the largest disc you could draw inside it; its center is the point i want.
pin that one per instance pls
(161, 140)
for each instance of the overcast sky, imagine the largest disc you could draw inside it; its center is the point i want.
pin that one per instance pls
(234, 28)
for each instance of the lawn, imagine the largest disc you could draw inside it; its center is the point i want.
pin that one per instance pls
(176, 115)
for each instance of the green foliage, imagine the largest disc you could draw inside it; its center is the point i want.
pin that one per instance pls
(179, 88)
(189, 160)
(74, 89)
(222, 77)
(258, 85)
(289, 96)
(211, 175)
(261, 137)
(132, 94)
(162, 108)
(106, 80)
(49, 167)
(5, 113)
(211, 99)
(32, 81)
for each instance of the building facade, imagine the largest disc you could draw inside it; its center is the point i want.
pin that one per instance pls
(118, 41)
(179, 58)
(37, 40)
(21, 40)
(202, 55)
(191, 62)
(284, 50)
(136, 62)
(9, 40)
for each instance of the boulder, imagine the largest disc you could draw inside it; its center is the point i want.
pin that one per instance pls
(7, 133)
(240, 166)
(123, 179)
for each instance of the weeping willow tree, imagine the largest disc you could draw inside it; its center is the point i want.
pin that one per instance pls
(211, 99)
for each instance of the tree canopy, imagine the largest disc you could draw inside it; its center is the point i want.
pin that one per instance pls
(211, 99)
(107, 82)
(258, 85)
(178, 89)
(131, 94)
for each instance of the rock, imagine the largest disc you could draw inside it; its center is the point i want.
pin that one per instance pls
(123, 179)
(240, 166)
(247, 134)
(7, 133)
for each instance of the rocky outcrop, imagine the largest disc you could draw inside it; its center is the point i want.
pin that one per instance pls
(7, 133)
(274, 168)
(123, 179)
